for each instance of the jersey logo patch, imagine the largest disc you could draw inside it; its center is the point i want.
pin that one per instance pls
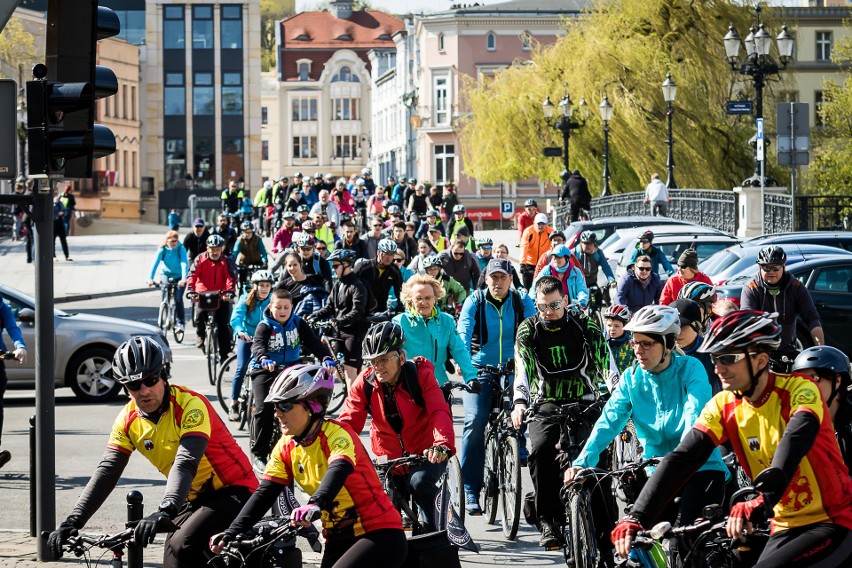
(799, 493)
(193, 419)
(754, 444)
(805, 397)
(340, 444)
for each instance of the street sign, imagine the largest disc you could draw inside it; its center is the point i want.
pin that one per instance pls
(793, 131)
(553, 152)
(8, 129)
(740, 107)
(507, 208)
(759, 128)
(759, 138)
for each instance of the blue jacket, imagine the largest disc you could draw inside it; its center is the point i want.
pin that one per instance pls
(243, 320)
(174, 262)
(499, 345)
(657, 257)
(663, 406)
(7, 322)
(282, 342)
(432, 339)
(174, 220)
(574, 285)
(634, 295)
(57, 207)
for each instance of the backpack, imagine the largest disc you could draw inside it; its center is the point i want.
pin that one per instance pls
(363, 265)
(517, 307)
(409, 381)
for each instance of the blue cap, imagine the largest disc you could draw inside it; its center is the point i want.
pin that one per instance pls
(560, 251)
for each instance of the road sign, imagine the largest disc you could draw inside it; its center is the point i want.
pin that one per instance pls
(740, 107)
(553, 152)
(760, 139)
(507, 208)
(759, 129)
(793, 130)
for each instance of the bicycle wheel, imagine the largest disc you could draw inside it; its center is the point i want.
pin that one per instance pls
(337, 396)
(246, 403)
(177, 332)
(490, 482)
(212, 350)
(510, 487)
(224, 381)
(455, 484)
(582, 530)
(162, 316)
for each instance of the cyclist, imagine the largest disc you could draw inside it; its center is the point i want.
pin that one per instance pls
(208, 477)
(210, 272)
(327, 208)
(409, 412)
(312, 261)
(484, 252)
(774, 290)
(687, 272)
(347, 306)
(525, 217)
(663, 394)
(621, 353)
(571, 277)
(556, 238)
(307, 290)
(592, 259)
(690, 338)
(640, 286)
(232, 198)
(195, 242)
(559, 357)
(501, 251)
(380, 275)
(247, 313)
(351, 241)
(7, 322)
(458, 221)
(432, 220)
(830, 368)
(534, 242)
(424, 250)
(437, 241)
(461, 264)
(645, 247)
(172, 255)
(428, 331)
(403, 241)
(224, 230)
(361, 526)
(454, 293)
(702, 293)
(284, 236)
(249, 250)
(487, 325)
(276, 345)
(770, 420)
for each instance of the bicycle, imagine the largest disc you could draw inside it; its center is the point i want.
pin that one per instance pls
(454, 472)
(502, 476)
(166, 319)
(273, 538)
(208, 303)
(244, 274)
(341, 385)
(224, 382)
(391, 476)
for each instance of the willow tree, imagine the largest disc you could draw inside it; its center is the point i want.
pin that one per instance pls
(622, 49)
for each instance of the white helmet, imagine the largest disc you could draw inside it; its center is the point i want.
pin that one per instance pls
(655, 320)
(366, 172)
(360, 181)
(267, 184)
(262, 276)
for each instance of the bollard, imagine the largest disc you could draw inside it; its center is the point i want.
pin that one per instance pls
(134, 513)
(32, 476)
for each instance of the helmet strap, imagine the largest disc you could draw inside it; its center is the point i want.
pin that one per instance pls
(310, 434)
(755, 377)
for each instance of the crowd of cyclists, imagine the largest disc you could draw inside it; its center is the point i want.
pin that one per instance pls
(394, 280)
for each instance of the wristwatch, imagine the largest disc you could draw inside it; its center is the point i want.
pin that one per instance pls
(169, 508)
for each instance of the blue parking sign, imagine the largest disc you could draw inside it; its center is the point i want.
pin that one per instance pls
(507, 209)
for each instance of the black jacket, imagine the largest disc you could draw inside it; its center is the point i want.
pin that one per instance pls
(380, 285)
(195, 245)
(576, 189)
(230, 236)
(347, 304)
(359, 247)
(792, 301)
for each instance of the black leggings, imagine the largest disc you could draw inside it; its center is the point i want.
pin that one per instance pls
(385, 547)
(822, 544)
(264, 413)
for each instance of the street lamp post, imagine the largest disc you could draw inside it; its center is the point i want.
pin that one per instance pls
(565, 123)
(22, 140)
(669, 92)
(606, 116)
(759, 65)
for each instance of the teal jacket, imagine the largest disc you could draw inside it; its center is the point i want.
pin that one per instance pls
(432, 339)
(243, 320)
(174, 262)
(663, 406)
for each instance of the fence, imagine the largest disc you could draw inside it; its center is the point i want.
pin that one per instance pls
(7, 222)
(823, 213)
(777, 213)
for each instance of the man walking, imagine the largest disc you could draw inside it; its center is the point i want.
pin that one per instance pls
(657, 194)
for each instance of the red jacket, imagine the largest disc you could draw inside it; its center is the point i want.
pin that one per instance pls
(422, 427)
(525, 220)
(675, 283)
(207, 275)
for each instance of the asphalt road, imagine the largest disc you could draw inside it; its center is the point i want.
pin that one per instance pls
(82, 431)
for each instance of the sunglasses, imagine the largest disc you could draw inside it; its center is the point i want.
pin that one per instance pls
(458, 254)
(383, 360)
(284, 406)
(643, 345)
(485, 247)
(645, 242)
(148, 382)
(643, 268)
(729, 359)
(336, 265)
(400, 260)
(307, 248)
(322, 248)
(770, 267)
(554, 305)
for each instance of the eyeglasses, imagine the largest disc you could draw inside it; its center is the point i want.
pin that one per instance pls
(643, 268)
(642, 345)
(553, 306)
(148, 382)
(383, 360)
(282, 406)
(770, 267)
(728, 359)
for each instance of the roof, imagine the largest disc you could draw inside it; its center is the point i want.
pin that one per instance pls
(526, 7)
(363, 30)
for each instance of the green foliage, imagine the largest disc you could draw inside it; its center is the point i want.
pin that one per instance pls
(17, 47)
(622, 49)
(271, 12)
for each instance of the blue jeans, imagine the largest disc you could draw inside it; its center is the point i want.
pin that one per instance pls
(243, 350)
(180, 314)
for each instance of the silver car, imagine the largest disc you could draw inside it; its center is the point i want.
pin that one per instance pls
(85, 345)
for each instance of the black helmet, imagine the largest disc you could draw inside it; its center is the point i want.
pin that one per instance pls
(342, 255)
(555, 234)
(773, 254)
(830, 359)
(138, 358)
(382, 338)
(530, 203)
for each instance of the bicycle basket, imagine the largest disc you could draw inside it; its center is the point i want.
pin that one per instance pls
(208, 301)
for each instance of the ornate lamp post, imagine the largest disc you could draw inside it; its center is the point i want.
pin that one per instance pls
(565, 123)
(669, 92)
(606, 116)
(759, 65)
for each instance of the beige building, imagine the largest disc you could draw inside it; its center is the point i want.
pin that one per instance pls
(270, 132)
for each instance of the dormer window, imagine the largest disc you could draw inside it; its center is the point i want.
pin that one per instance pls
(385, 37)
(345, 75)
(344, 37)
(303, 37)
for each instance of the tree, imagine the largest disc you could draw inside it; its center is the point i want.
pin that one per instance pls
(271, 12)
(17, 50)
(622, 49)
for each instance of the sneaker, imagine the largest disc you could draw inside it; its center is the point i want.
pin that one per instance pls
(199, 342)
(258, 463)
(234, 414)
(5, 456)
(549, 536)
(180, 327)
(471, 504)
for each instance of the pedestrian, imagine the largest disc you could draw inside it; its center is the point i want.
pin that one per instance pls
(449, 201)
(7, 322)
(59, 214)
(534, 242)
(657, 194)
(174, 220)
(18, 213)
(575, 188)
(70, 204)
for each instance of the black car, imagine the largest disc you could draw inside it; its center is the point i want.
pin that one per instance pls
(829, 281)
(837, 239)
(605, 226)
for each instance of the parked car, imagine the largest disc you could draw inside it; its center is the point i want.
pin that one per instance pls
(85, 345)
(741, 258)
(605, 226)
(829, 281)
(705, 244)
(837, 239)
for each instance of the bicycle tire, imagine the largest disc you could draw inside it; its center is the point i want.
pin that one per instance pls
(510, 487)
(582, 530)
(212, 350)
(455, 484)
(246, 406)
(338, 395)
(224, 381)
(162, 316)
(490, 479)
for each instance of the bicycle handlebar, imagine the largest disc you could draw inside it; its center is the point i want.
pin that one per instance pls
(390, 465)
(10, 355)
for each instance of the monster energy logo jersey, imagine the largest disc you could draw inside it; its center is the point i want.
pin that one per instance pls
(559, 360)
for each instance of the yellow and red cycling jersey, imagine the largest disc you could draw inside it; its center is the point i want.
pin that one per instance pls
(361, 506)
(224, 463)
(820, 490)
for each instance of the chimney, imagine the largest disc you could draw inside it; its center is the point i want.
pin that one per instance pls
(342, 9)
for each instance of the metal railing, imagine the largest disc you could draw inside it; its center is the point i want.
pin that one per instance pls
(823, 213)
(7, 221)
(777, 213)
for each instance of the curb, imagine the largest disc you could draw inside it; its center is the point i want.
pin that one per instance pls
(95, 296)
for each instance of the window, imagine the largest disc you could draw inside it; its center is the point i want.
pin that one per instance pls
(174, 31)
(304, 147)
(205, 162)
(264, 149)
(124, 100)
(304, 110)
(125, 159)
(445, 160)
(526, 41)
(347, 147)
(344, 37)
(441, 43)
(174, 95)
(203, 100)
(202, 27)
(304, 71)
(232, 157)
(232, 27)
(344, 109)
(442, 101)
(834, 279)
(386, 61)
(345, 75)
(133, 171)
(491, 41)
(823, 46)
(232, 93)
(175, 161)
(133, 102)
(818, 100)
(264, 115)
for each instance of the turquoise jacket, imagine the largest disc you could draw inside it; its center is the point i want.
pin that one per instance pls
(432, 339)
(174, 262)
(663, 406)
(574, 284)
(243, 320)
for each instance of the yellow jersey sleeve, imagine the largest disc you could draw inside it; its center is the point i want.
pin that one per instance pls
(341, 446)
(805, 396)
(278, 466)
(118, 436)
(194, 420)
(710, 421)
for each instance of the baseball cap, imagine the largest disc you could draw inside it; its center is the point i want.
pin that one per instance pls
(690, 311)
(498, 265)
(540, 218)
(560, 250)
(198, 222)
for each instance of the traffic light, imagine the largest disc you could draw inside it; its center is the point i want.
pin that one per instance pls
(63, 136)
